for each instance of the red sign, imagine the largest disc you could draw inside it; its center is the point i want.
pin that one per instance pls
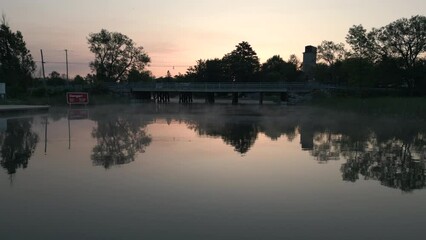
(77, 98)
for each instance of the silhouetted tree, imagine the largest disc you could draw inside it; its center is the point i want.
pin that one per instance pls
(210, 70)
(293, 59)
(115, 55)
(276, 69)
(366, 45)
(55, 79)
(79, 80)
(403, 39)
(331, 52)
(196, 72)
(139, 76)
(16, 62)
(358, 72)
(216, 71)
(54, 74)
(242, 63)
(387, 73)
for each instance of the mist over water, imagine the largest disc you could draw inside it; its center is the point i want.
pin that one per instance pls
(211, 172)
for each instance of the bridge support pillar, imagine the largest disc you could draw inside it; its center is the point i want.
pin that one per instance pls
(185, 97)
(234, 98)
(261, 98)
(161, 97)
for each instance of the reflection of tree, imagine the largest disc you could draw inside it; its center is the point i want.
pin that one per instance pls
(17, 144)
(326, 146)
(394, 162)
(118, 141)
(391, 162)
(391, 151)
(275, 129)
(240, 136)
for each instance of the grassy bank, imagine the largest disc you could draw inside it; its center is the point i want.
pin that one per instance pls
(392, 106)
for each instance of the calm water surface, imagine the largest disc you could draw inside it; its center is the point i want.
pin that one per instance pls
(211, 172)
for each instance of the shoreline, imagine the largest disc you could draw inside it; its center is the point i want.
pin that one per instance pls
(22, 108)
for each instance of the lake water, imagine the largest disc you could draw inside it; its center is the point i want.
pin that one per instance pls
(211, 172)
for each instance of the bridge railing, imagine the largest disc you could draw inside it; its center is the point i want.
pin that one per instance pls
(210, 86)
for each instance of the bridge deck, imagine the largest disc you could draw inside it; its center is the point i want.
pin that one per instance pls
(215, 87)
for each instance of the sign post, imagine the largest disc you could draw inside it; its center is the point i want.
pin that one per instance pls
(81, 98)
(77, 98)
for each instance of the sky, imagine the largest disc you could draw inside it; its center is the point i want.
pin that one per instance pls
(177, 33)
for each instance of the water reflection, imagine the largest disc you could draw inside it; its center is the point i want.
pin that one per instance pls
(18, 143)
(119, 139)
(240, 135)
(390, 151)
(394, 163)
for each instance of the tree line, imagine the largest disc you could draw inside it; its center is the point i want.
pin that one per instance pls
(390, 56)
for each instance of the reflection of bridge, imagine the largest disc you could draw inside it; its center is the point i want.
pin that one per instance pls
(160, 90)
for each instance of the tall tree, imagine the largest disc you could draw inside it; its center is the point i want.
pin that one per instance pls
(331, 52)
(243, 63)
(139, 76)
(210, 70)
(403, 39)
(216, 71)
(406, 39)
(276, 69)
(365, 45)
(293, 59)
(115, 55)
(197, 72)
(16, 62)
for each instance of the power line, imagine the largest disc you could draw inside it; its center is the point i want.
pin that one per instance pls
(59, 62)
(63, 62)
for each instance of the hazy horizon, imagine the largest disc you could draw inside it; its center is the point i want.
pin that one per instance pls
(175, 34)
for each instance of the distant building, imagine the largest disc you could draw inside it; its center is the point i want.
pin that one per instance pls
(309, 61)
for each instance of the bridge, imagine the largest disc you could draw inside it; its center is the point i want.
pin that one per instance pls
(160, 91)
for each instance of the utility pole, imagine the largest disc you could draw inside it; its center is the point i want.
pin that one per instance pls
(44, 74)
(66, 61)
(42, 64)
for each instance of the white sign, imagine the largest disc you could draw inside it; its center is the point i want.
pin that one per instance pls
(2, 88)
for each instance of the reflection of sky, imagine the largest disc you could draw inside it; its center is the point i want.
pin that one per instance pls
(177, 33)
